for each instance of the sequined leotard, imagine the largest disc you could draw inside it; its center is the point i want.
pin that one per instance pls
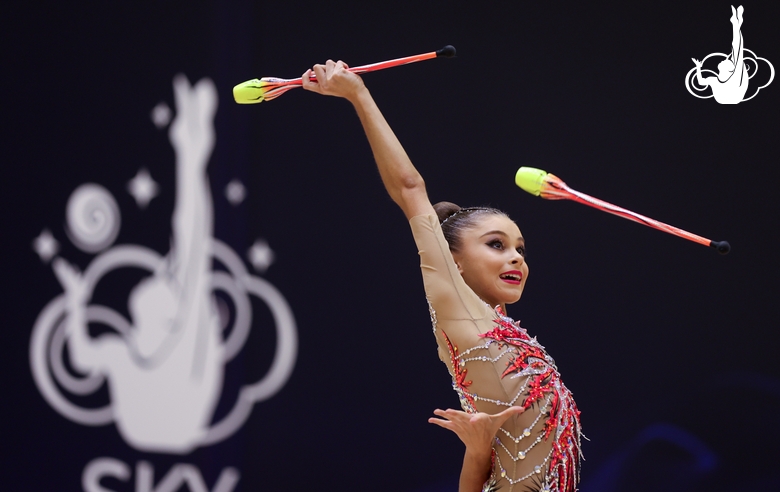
(495, 364)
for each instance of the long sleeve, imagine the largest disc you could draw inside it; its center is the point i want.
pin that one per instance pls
(495, 364)
(459, 316)
(447, 292)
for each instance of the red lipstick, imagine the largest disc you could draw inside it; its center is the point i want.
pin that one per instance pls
(512, 277)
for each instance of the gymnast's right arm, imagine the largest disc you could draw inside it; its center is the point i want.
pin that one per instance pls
(446, 290)
(402, 181)
(443, 283)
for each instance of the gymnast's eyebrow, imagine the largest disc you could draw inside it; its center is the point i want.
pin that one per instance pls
(502, 233)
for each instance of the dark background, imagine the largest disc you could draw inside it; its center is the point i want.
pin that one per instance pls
(669, 348)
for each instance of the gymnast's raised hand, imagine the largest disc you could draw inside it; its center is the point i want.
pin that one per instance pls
(401, 179)
(333, 79)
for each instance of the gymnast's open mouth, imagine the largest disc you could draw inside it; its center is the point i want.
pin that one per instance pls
(512, 276)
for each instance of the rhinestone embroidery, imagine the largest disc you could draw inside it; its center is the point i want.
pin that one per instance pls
(433, 315)
(559, 471)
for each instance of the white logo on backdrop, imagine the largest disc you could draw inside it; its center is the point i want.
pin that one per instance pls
(164, 367)
(730, 84)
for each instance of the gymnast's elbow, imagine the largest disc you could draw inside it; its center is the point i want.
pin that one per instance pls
(411, 183)
(413, 199)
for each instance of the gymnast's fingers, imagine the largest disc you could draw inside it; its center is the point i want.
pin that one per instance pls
(503, 416)
(319, 72)
(440, 422)
(322, 81)
(307, 83)
(455, 415)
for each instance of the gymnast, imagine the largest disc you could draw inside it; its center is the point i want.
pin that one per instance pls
(473, 265)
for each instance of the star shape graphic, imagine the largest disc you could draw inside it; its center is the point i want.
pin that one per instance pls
(235, 192)
(46, 246)
(143, 188)
(260, 255)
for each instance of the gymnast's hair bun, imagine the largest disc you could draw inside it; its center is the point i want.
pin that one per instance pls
(444, 210)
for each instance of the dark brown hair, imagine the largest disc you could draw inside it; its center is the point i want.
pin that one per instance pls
(454, 220)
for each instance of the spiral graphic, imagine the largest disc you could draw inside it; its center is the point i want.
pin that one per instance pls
(93, 218)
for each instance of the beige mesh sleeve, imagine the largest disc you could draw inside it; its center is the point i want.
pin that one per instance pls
(462, 316)
(447, 292)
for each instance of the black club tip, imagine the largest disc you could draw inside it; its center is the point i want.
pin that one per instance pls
(447, 52)
(723, 247)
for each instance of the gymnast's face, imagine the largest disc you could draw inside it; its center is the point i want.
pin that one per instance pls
(491, 259)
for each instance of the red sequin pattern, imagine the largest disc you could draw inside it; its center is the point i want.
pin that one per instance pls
(528, 357)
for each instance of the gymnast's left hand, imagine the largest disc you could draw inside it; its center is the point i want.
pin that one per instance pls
(333, 79)
(476, 430)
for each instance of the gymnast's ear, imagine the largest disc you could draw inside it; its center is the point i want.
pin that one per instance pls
(457, 263)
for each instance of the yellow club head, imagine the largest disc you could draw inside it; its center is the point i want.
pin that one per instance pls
(530, 179)
(250, 92)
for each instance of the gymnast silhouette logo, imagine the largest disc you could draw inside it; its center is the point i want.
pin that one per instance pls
(730, 84)
(164, 368)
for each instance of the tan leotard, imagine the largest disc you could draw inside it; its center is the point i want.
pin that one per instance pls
(494, 364)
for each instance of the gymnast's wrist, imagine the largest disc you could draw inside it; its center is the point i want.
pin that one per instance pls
(478, 455)
(361, 97)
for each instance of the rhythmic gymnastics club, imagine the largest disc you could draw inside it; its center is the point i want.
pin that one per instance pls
(258, 90)
(550, 187)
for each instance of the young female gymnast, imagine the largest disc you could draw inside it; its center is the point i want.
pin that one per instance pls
(525, 431)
